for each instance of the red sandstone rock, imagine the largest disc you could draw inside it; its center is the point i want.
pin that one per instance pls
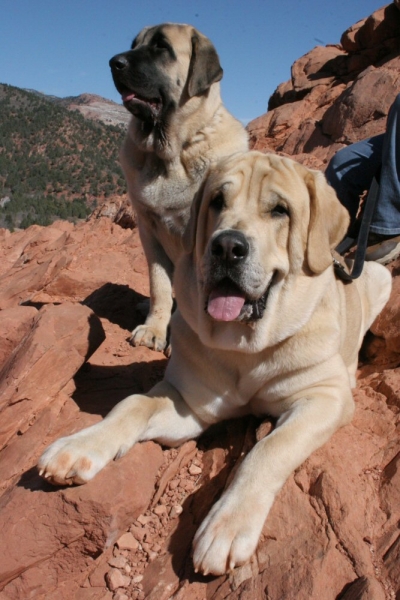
(15, 324)
(63, 530)
(378, 30)
(337, 94)
(61, 339)
(362, 108)
(320, 66)
(55, 343)
(52, 265)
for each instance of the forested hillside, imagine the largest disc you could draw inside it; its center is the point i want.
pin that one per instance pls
(54, 163)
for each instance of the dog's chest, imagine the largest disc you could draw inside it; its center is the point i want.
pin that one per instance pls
(164, 201)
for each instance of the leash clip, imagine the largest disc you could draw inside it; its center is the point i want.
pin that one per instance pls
(341, 272)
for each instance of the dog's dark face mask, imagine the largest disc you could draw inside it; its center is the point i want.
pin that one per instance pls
(140, 77)
(155, 80)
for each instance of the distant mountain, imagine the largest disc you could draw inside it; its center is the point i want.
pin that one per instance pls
(93, 107)
(55, 162)
(98, 108)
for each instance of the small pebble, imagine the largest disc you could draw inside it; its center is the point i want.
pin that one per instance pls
(195, 470)
(175, 511)
(117, 561)
(189, 485)
(144, 520)
(127, 542)
(138, 532)
(115, 579)
(160, 510)
(119, 595)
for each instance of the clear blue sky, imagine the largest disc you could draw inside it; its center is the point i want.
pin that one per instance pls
(63, 47)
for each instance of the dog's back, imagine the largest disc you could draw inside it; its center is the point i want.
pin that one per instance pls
(362, 301)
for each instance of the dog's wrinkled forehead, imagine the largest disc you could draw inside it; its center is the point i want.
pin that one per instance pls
(171, 36)
(255, 176)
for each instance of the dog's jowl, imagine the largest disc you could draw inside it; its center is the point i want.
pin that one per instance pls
(263, 327)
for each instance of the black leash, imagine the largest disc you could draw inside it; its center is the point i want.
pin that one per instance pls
(361, 240)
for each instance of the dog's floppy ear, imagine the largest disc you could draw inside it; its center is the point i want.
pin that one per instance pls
(189, 235)
(329, 221)
(204, 69)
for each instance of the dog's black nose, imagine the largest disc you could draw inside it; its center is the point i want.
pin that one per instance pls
(230, 246)
(119, 62)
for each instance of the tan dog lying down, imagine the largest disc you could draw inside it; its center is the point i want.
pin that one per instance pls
(263, 327)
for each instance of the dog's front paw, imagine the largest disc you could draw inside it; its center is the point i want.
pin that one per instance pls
(74, 459)
(227, 537)
(151, 337)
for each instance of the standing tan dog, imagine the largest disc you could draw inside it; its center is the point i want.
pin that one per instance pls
(169, 81)
(262, 327)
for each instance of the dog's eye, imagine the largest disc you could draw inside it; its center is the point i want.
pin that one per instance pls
(279, 211)
(161, 43)
(218, 202)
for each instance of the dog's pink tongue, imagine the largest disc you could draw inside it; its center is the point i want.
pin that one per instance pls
(127, 96)
(225, 306)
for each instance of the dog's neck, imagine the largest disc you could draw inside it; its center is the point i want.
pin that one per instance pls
(196, 122)
(196, 139)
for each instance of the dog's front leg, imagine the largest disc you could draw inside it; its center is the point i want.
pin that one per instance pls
(160, 415)
(153, 333)
(229, 534)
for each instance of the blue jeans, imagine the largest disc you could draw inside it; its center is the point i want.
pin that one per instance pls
(351, 170)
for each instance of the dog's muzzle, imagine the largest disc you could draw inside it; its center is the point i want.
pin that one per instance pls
(143, 104)
(227, 301)
(230, 247)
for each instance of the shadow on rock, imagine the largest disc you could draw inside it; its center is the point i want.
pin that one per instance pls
(118, 304)
(31, 480)
(99, 389)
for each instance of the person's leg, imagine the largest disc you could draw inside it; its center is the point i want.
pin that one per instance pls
(386, 220)
(350, 173)
(351, 170)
